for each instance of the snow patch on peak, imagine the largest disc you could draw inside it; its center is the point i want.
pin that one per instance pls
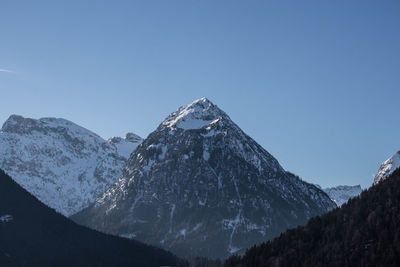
(199, 114)
(387, 168)
(125, 146)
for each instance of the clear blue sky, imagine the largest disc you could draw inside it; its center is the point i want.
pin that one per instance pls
(314, 82)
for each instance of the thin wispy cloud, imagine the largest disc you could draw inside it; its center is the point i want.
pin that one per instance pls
(6, 70)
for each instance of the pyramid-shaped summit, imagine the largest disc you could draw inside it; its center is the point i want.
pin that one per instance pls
(199, 114)
(199, 186)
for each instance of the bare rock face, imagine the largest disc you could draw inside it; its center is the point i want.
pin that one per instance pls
(199, 186)
(64, 165)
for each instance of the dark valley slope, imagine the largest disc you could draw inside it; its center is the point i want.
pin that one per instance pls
(31, 234)
(363, 232)
(199, 186)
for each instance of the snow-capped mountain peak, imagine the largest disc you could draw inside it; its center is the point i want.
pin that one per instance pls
(63, 164)
(199, 114)
(388, 167)
(198, 185)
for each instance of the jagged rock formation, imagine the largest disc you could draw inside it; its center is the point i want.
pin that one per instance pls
(64, 165)
(198, 185)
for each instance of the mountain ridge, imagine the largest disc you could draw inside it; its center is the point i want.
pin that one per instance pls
(65, 165)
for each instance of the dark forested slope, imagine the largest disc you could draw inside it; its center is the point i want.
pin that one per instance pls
(364, 232)
(31, 234)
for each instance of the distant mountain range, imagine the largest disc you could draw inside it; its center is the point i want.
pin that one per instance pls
(342, 193)
(198, 185)
(64, 165)
(31, 234)
(363, 232)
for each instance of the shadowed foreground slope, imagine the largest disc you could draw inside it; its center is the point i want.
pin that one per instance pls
(364, 232)
(31, 234)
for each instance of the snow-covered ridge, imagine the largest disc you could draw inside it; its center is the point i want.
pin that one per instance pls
(388, 167)
(342, 193)
(63, 164)
(20, 125)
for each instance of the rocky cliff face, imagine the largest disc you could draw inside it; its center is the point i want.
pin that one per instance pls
(198, 185)
(64, 165)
